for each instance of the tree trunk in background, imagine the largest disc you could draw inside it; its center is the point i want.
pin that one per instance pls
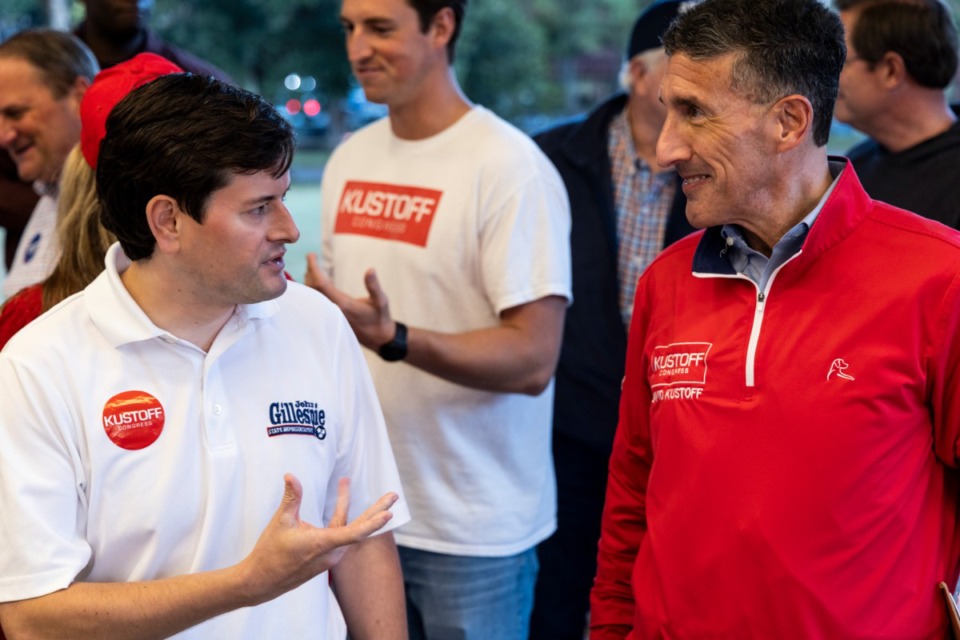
(58, 13)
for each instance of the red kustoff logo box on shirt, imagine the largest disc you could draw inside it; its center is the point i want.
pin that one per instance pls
(679, 363)
(387, 211)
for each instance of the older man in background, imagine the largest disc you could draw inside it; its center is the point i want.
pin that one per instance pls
(625, 208)
(43, 76)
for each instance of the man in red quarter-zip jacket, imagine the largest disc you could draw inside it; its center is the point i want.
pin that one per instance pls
(785, 463)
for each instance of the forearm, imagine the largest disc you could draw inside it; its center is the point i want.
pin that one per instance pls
(369, 587)
(624, 522)
(288, 553)
(486, 359)
(611, 598)
(518, 356)
(612, 604)
(135, 610)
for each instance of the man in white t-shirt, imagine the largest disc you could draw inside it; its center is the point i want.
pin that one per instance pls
(459, 220)
(43, 76)
(147, 421)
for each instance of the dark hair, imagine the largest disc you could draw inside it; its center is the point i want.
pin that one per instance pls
(782, 47)
(60, 57)
(427, 9)
(922, 32)
(183, 136)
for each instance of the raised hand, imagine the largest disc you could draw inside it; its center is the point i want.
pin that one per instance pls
(290, 551)
(368, 317)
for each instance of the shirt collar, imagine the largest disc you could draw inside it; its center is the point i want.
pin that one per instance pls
(792, 240)
(622, 139)
(49, 189)
(121, 320)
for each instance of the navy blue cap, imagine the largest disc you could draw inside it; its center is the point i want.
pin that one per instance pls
(649, 28)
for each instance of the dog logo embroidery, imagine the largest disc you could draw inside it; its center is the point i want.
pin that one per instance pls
(839, 367)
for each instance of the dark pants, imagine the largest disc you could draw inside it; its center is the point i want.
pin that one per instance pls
(568, 559)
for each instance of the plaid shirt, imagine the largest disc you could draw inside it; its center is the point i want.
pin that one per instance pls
(643, 200)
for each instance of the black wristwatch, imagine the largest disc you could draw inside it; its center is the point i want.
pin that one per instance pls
(396, 349)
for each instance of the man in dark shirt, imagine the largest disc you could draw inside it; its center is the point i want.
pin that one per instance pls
(901, 58)
(117, 31)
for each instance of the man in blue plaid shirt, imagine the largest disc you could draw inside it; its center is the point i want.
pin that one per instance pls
(625, 210)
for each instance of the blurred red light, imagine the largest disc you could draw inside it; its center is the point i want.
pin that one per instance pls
(293, 106)
(311, 107)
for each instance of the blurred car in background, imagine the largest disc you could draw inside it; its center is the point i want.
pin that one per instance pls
(305, 109)
(358, 111)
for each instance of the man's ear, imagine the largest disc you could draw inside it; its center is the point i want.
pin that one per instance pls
(77, 89)
(637, 68)
(792, 121)
(891, 70)
(443, 25)
(164, 217)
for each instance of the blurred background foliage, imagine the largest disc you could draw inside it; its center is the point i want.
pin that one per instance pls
(518, 58)
(531, 61)
(527, 60)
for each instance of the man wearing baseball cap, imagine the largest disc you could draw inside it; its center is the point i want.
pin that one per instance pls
(625, 209)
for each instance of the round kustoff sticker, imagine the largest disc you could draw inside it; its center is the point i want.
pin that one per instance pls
(133, 419)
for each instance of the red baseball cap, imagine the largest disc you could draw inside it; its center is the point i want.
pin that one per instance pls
(109, 87)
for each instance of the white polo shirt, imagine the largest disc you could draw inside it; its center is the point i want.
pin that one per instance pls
(127, 454)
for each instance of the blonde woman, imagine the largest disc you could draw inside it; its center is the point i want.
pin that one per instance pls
(83, 243)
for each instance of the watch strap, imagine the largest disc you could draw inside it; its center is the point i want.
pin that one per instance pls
(396, 349)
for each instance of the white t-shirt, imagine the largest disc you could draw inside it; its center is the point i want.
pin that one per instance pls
(127, 454)
(459, 227)
(37, 252)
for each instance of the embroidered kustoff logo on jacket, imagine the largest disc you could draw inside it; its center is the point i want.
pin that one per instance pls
(298, 418)
(678, 371)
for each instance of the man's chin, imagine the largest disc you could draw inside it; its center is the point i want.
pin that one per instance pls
(698, 219)
(26, 170)
(264, 292)
(376, 97)
(275, 289)
(842, 115)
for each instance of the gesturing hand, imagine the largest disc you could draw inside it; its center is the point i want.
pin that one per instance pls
(368, 317)
(290, 551)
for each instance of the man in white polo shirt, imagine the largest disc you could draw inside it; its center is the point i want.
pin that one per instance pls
(152, 424)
